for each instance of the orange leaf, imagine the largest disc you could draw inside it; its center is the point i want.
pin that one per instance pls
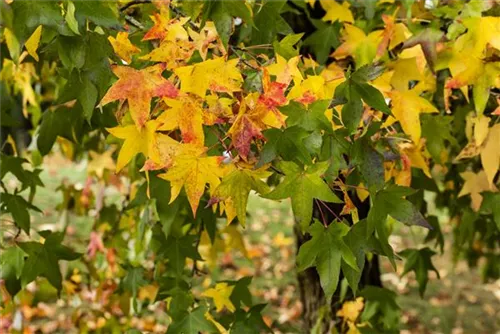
(139, 87)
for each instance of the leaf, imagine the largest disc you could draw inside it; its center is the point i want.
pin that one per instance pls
(88, 99)
(250, 322)
(220, 295)
(193, 323)
(99, 12)
(253, 116)
(490, 153)
(268, 23)
(427, 39)
(362, 47)
(285, 47)
(222, 13)
(122, 46)
(152, 85)
(336, 11)
(134, 280)
(323, 39)
(289, 144)
(43, 259)
(192, 170)
(216, 75)
(475, 184)
(406, 108)
(18, 208)
(184, 113)
(33, 42)
(419, 261)
(29, 15)
(237, 185)
(303, 186)
(437, 131)
(70, 18)
(325, 251)
(137, 140)
(370, 163)
(391, 202)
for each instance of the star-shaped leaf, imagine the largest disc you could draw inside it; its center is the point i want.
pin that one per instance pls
(419, 261)
(192, 170)
(220, 295)
(137, 140)
(325, 251)
(139, 87)
(237, 185)
(406, 108)
(123, 47)
(303, 186)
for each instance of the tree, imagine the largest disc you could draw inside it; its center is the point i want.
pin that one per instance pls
(352, 110)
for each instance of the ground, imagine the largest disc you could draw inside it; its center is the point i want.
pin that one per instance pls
(457, 303)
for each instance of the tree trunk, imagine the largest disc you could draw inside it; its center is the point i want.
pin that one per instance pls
(315, 313)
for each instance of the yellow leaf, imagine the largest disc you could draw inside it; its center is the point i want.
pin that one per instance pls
(280, 240)
(185, 113)
(481, 31)
(481, 129)
(351, 309)
(407, 107)
(136, 141)
(100, 162)
(474, 185)
(285, 70)
(490, 153)
(336, 11)
(217, 75)
(405, 70)
(362, 47)
(192, 170)
(416, 155)
(123, 47)
(220, 295)
(309, 90)
(234, 240)
(32, 42)
(217, 324)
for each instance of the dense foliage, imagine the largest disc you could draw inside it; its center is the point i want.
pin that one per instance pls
(186, 107)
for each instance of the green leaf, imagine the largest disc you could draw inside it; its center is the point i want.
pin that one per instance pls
(134, 280)
(250, 322)
(70, 18)
(64, 122)
(43, 259)
(88, 99)
(311, 119)
(241, 293)
(372, 96)
(237, 185)
(30, 14)
(303, 186)
(289, 144)
(437, 130)
(325, 251)
(381, 309)
(370, 163)
(356, 241)
(435, 233)
(419, 261)
(352, 112)
(18, 208)
(391, 202)
(285, 47)
(193, 323)
(324, 39)
(12, 261)
(268, 23)
(99, 12)
(222, 14)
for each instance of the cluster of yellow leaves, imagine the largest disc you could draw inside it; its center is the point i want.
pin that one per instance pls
(349, 313)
